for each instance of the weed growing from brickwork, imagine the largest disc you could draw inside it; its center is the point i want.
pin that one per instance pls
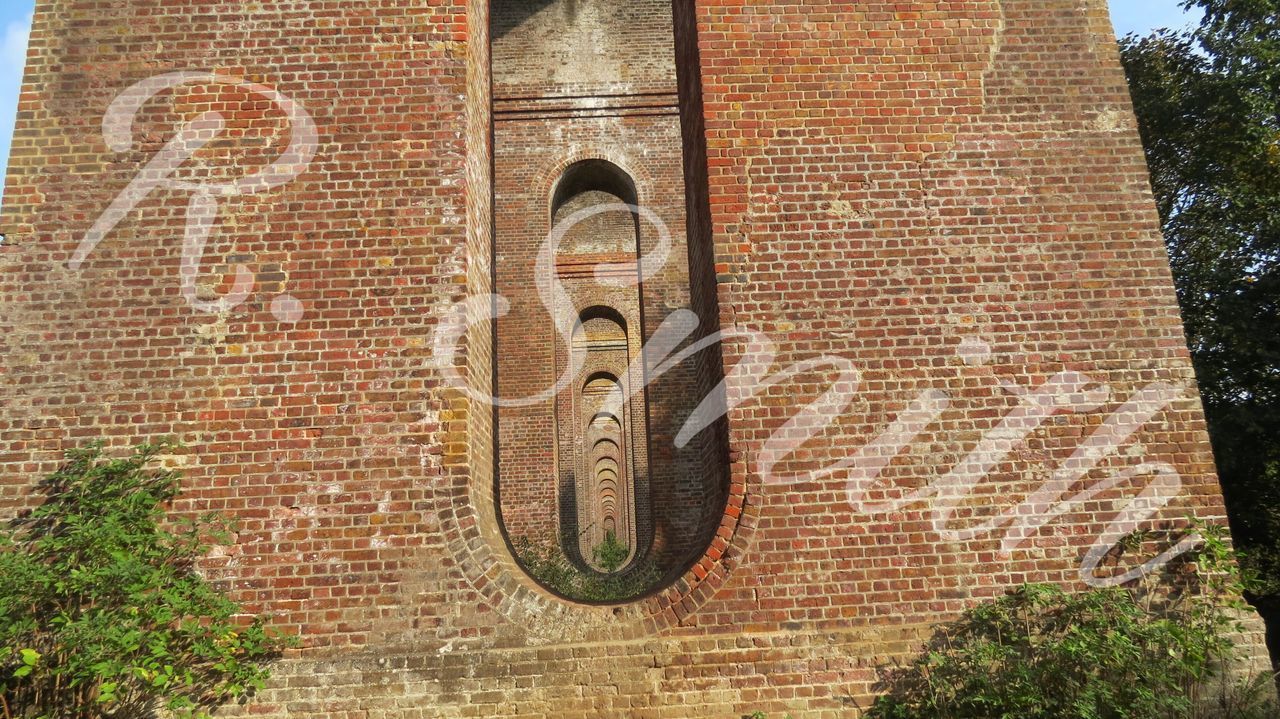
(102, 612)
(611, 553)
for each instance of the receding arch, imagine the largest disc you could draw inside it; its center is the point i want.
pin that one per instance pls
(561, 77)
(594, 175)
(600, 318)
(606, 419)
(606, 439)
(602, 383)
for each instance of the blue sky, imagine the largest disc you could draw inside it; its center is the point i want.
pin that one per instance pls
(15, 20)
(15, 23)
(1143, 16)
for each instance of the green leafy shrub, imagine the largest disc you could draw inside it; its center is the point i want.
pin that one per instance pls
(1144, 651)
(611, 553)
(101, 610)
(552, 569)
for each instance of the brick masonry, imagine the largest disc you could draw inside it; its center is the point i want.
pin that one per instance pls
(587, 112)
(887, 182)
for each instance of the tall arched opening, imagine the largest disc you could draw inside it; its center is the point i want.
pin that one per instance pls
(597, 141)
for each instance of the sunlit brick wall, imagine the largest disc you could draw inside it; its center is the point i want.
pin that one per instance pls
(951, 195)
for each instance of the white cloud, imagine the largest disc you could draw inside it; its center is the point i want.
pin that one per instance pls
(13, 48)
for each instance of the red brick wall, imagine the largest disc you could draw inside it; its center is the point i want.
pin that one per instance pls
(883, 182)
(582, 48)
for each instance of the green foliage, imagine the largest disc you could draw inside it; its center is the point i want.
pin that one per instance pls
(1139, 652)
(1208, 106)
(611, 553)
(552, 569)
(101, 610)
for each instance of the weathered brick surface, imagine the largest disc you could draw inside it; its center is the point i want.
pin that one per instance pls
(883, 181)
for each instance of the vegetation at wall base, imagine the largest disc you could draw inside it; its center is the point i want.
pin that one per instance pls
(547, 564)
(611, 553)
(1160, 648)
(102, 611)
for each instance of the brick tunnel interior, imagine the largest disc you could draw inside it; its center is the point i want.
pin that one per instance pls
(601, 234)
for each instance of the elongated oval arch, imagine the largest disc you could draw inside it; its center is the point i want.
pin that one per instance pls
(601, 457)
